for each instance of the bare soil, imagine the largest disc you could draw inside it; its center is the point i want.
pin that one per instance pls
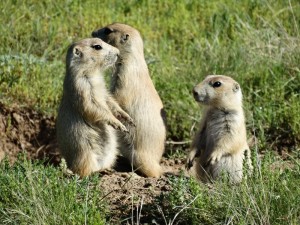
(131, 197)
(27, 131)
(135, 199)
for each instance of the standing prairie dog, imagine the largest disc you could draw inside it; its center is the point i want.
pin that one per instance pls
(87, 113)
(133, 89)
(220, 143)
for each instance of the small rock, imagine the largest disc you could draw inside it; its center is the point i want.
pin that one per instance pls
(147, 185)
(17, 118)
(124, 175)
(165, 188)
(178, 161)
(171, 162)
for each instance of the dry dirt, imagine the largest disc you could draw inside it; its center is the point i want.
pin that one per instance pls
(131, 197)
(25, 130)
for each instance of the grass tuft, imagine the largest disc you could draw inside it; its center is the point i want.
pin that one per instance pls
(260, 199)
(34, 194)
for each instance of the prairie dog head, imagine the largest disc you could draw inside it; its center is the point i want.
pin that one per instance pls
(124, 37)
(218, 91)
(91, 54)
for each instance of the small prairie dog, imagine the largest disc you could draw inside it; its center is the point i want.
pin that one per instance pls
(87, 114)
(220, 143)
(133, 89)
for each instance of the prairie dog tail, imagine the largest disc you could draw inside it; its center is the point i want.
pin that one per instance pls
(84, 165)
(90, 162)
(148, 166)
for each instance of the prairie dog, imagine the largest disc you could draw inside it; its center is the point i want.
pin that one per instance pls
(220, 143)
(87, 113)
(133, 89)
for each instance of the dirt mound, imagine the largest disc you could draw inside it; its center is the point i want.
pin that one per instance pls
(134, 198)
(27, 131)
(131, 197)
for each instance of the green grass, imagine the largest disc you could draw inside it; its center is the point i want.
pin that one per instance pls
(254, 41)
(271, 196)
(34, 194)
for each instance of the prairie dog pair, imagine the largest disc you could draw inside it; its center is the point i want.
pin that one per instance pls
(133, 89)
(220, 143)
(87, 114)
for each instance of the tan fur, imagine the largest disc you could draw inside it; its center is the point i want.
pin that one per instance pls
(220, 144)
(87, 113)
(134, 91)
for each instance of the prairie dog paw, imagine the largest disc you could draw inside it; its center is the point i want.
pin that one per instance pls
(190, 159)
(118, 125)
(126, 117)
(215, 157)
(189, 163)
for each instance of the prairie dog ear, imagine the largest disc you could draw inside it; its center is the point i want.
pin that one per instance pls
(236, 87)
(107, 30)
(77, 51)
(124, 38)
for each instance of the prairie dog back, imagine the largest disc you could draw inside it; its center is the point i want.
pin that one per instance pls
(133, 89)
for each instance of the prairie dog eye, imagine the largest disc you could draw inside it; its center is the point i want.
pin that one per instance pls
(216, 84)
(97, 47)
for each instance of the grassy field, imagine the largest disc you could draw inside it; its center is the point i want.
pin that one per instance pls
(257, 42)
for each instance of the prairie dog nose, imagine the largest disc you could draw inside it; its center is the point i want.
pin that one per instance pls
(199, 94)
(195, 93)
